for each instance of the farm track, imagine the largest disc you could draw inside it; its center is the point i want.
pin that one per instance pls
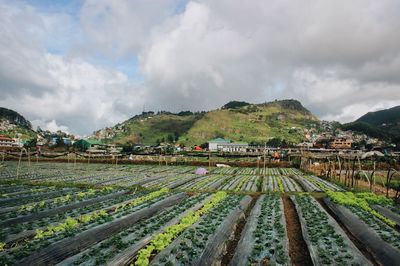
(233, 243)
(355, 241)
(68, 247)
(298, 251)
(58, 210)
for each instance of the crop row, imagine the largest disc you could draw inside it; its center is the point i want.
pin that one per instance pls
(326, 241)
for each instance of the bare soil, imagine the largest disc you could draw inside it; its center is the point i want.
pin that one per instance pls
(298, 251)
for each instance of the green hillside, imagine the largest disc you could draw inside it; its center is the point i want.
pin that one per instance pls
(12, 124)
(253, 123)
(237, 121)
(383, 124)
(389, 116)
(152, 128)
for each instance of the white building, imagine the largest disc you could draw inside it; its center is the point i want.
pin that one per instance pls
(233, 147)
(225, 145)
(7, 143)
(213, 144)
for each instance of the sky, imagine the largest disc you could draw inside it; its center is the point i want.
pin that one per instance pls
(81, 65)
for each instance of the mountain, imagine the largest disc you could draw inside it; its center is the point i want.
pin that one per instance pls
(238, 121)
(13, 124)
(389, 116)
(383, 124)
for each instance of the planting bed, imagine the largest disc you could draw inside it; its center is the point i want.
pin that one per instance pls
(280, 183)
(94, 214)
(264, 239)
(203, 240)
(326, 241)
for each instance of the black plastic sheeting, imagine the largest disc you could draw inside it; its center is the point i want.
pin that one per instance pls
(383, 252)
(215, 248)
(387, 213)
(61, 209)
(68, 247)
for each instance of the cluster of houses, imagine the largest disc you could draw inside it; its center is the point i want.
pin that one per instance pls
(226, 145)
(97, 147)
(321, 136)
(327, 137)
(7, 143)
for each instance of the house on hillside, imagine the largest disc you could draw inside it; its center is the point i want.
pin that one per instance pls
(225, 145)
(114, 149)
(233, 147)
(341, 143)
(90, 145)
(213, 144)
(304, 145)
(7, 143)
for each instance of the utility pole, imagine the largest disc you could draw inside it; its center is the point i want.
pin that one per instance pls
(265, 155)
(209, 160)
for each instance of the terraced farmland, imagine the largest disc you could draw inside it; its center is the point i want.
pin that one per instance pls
(94, 214)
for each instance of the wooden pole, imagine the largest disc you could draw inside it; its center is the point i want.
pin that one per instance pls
(209, 161)
(372, 184)
(387, 182)
(19, 162)
(340, 168)
(346, 165)
(352, 172)
(265, 155)
(29, 157)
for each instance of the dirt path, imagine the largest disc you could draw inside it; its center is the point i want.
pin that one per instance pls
(298, 251)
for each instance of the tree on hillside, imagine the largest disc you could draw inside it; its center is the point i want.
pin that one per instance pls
(234, 104)
(30, 143)
(59, 142)
(170, 138)
(274, 142)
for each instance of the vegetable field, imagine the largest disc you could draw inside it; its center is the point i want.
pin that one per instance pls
(94, 214)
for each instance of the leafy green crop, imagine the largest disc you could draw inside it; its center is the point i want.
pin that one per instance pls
(280, 186)
(362, 201)
(71, 223)
(162, 240)
(239, 186)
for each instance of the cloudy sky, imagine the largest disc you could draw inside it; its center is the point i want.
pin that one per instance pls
(82, 65)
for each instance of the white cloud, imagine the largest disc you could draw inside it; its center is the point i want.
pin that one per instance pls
(83, 96)
(340, 62)
(51, 125)
(48, 87)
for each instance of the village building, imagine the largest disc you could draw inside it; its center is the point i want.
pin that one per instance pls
(213, 144)
(305, 145)
(114, 149)
(233, 147)
(341, 143)
(7, 143)
(90, 145)
(225, 145)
